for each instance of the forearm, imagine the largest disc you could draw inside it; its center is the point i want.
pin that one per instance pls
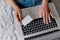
(45, 2)
(12, 3)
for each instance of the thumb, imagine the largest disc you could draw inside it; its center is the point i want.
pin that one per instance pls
(20, 16)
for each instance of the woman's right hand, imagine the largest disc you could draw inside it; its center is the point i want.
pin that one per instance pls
(18, 14)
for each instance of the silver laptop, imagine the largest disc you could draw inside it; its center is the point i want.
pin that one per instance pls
(36, 26)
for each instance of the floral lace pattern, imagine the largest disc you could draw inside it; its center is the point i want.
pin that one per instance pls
(7, 28)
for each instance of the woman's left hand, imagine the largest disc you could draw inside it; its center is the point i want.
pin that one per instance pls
(45, 13)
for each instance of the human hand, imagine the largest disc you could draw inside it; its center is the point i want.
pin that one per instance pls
(46, 14)
(18, 14)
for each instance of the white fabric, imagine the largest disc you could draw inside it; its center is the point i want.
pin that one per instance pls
(7, 29)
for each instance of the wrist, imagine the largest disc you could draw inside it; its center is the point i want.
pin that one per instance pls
(45, 3)
(16, 7)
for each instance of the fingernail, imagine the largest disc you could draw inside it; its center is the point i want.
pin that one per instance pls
(46, 22)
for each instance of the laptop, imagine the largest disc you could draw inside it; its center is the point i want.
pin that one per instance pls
(36, 26)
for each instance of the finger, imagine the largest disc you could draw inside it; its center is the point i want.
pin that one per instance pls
(20, 16)
(16, 17)
(46, 18)
(49, 18)
(51, 14)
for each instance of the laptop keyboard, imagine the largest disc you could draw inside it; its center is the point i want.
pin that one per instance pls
(37, 25)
